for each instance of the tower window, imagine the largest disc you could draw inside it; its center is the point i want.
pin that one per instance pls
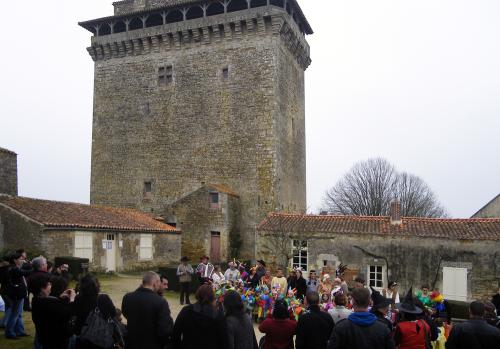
(214, 200)
(165, 75)
(225, 72)
(148, 189)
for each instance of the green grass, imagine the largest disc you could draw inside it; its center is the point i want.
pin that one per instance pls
(23, 343)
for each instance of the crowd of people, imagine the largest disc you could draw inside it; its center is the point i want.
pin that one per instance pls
(291, 312)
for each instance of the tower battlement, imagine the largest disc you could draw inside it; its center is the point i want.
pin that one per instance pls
(214, 29)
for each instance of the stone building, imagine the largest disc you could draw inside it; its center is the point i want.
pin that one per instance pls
(490, 210)
(189, 92)
(114, 239)
(208, 218)
(8, 172)
(459, 256)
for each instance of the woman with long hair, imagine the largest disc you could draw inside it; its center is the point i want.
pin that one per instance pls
(239, 327)
(200, 325)
(85, 302)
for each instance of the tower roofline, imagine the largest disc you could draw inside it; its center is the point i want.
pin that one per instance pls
(109, 22)
(204, 31)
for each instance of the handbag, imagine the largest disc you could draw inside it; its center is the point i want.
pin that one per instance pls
(98, 330)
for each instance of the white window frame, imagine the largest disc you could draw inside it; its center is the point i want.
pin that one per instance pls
(300, 251)
(84, 245)
(146, 247)
(380, 278)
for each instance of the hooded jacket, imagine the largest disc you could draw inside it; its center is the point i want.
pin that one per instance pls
(199, 326)
(361, 330)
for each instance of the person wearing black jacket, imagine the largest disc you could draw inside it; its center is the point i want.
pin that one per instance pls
(496, 301)
(200, 325)
(85, 302)
(380, 308)
(300, 285)
(149, 323)
(315, 327)
(475, 333)
(51, 315)
(16, 292)
(361, 330)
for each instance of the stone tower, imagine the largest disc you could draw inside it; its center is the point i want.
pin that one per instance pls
(8, 172)
(190, 92)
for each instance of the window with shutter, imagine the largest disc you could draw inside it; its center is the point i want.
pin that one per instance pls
(146, 247)
(84, 245)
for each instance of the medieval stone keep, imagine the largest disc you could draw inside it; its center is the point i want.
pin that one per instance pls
(8, 172)
(190, 92)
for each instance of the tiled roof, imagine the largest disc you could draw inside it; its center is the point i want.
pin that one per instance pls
(460, 229)
(55, 214)
(223, 189)
(3, 150)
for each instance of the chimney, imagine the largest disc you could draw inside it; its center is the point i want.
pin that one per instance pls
(396, 213)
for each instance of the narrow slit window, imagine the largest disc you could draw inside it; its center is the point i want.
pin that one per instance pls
(225, 73)
(148, 189)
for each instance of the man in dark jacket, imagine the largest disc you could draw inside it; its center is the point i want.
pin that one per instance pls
(475, 333)
(149, 322)
(361, 329)
(315, 326)
(16, 291)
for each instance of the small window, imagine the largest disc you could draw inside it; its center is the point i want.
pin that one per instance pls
(214, 200)
(375, 276)
(148, 189)
(146, 247)
(165, 75)
(83, 245)
(299, 251)
(225, 72)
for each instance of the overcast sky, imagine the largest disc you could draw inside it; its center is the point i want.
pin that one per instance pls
(415, 82)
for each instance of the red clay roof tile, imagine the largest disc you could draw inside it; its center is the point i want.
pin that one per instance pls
(460, 229)
(56, 214)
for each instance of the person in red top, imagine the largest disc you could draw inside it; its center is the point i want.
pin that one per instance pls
(278, 329)
(411, 333)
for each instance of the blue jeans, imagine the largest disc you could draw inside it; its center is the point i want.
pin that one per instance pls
(6, 315)
(15, 326)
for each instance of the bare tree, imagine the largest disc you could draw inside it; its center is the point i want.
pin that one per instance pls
(278, 240)
(370, 186)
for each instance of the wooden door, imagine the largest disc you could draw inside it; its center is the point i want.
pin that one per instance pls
(215, 246)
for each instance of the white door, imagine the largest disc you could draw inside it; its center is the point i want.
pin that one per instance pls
(455, 283)
(111, 253)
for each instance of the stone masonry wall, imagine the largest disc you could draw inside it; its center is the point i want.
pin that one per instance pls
(17, 231)
(491, 210)
(166, 249)
(8, 172)
(411, 261)
(197, 220)
(245, 131)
